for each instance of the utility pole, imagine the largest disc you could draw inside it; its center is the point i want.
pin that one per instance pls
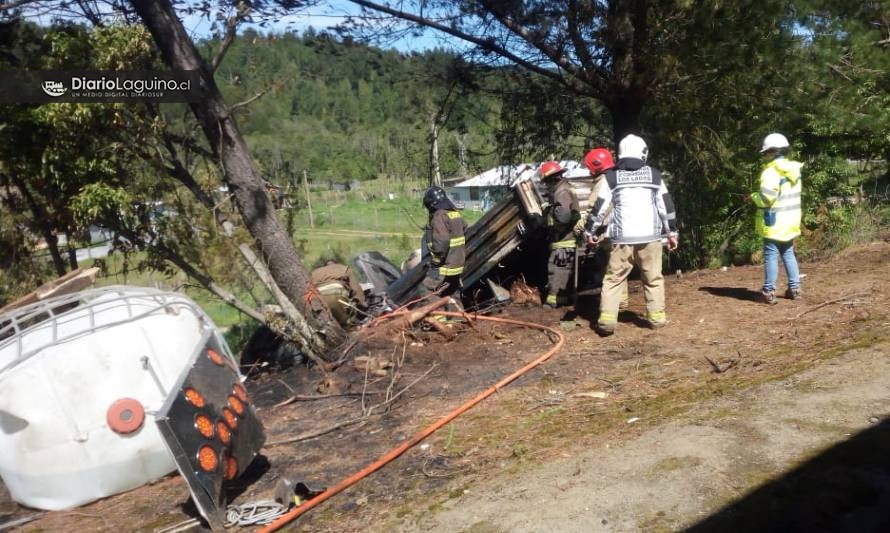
(434, 150)
(462, 153)
(308, 200)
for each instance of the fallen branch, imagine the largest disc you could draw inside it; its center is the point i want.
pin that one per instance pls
(345, 355)
(440, 327)
(313, 397)
(395, 397)
(829, 302)
(396, 367)
(718, 369)
(405, 321)
(319, 433)
(363, 418)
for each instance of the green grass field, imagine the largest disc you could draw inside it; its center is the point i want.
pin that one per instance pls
(346, 224)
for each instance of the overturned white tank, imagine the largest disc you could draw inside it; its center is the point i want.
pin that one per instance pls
(81, 379)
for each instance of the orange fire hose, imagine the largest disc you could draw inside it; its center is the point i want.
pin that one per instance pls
(421, 435)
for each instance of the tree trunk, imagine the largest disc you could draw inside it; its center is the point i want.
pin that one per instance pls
(625, 110)
(240, 172)
(72, 254)
(41, 219)
(52, 242)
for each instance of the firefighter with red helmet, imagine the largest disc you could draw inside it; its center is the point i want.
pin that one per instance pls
(561, 212)
(598, 161)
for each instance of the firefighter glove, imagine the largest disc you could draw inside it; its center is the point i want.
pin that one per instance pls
(580, 225)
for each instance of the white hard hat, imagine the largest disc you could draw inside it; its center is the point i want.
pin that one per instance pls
(774, 141)
(633, 146)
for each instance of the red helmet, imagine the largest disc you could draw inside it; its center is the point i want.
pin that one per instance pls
(550, 168)
(598, 161)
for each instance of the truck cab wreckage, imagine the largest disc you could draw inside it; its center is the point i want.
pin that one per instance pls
(506, 228)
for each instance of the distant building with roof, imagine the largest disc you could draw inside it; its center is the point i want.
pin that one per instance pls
(483, 190)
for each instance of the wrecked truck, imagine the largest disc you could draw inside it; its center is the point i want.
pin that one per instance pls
(107, 389)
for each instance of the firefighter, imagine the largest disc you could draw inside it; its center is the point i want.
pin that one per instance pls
(446, 242)
(337, 284)
(598, 161)
(642, 213)
(561, 212)
(778, 216)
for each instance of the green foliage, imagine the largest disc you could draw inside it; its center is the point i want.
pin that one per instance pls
(344, 111)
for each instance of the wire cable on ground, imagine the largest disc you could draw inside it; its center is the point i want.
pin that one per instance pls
(426, 432)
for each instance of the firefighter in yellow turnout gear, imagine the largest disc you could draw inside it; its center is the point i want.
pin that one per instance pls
(446, 241)
(561, 213)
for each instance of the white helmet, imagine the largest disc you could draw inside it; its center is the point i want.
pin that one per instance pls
(774, 141)
(633, 146)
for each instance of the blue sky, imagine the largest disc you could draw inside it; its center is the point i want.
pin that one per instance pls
(326, 15)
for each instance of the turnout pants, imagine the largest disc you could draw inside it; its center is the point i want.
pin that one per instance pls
(446, 285)
(623, 257)
(600, 265)
(560, 270)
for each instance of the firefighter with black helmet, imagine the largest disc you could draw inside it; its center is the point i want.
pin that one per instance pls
(446, 242)
(561, 213)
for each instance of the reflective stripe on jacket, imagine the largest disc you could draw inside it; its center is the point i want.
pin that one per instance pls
(327, 278)
(448, 243)
(778, 200)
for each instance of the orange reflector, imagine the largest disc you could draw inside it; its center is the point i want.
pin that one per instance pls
(236, 405)
(231, 468)
(207, 458)
(230, 417)
(241, 393)
(125, 415)
(204, 426)
(215, 357)
(223, 432)
(194, 397)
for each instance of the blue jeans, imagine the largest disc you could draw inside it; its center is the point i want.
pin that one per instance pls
(771, 251)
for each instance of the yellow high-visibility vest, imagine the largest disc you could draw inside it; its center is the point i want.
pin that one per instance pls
(778, 200)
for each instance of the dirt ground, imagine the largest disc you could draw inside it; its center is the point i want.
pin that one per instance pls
(736, 413)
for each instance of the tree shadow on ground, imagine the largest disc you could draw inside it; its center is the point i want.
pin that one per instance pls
(739, 293)
(845, 488)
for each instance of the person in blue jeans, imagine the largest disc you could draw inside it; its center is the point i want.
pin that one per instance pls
(778, 215)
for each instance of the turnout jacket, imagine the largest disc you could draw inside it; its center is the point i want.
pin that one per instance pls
(778, 200)
(562, 215)
(337, 274)
(642, 208)
(447, 242)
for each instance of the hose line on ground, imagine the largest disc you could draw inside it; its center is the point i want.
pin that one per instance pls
(426, 432)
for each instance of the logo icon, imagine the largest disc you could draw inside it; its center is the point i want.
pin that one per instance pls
(54, 88)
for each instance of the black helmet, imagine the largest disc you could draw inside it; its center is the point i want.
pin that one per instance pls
(433, 197)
